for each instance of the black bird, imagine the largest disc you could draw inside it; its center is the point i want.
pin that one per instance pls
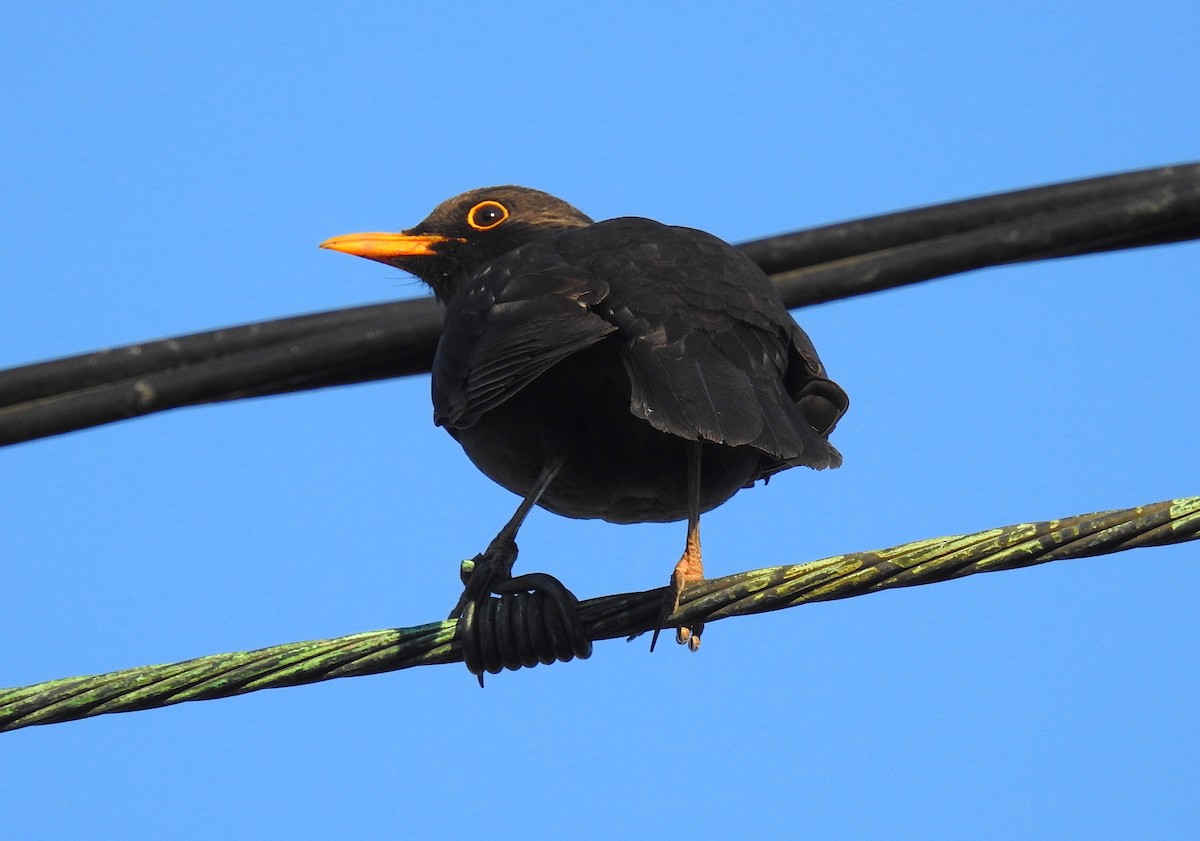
(624, 370)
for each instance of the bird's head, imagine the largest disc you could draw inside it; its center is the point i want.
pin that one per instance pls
(463, 233)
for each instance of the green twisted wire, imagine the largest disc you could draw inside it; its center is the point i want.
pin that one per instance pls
(755, 591)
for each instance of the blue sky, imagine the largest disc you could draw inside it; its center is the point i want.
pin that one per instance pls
(169, 170)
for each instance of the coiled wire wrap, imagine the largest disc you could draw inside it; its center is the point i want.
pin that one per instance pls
(534, 620)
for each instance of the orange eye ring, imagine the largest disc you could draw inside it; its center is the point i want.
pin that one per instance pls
(486, 215)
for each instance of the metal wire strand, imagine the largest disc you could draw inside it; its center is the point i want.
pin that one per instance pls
(608, 617)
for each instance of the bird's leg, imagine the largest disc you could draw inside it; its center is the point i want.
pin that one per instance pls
(496, 563)
(690, 568)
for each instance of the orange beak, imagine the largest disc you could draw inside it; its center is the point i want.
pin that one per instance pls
(386, 247)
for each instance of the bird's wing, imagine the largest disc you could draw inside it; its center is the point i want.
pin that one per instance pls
(711, 352)
(516, 317)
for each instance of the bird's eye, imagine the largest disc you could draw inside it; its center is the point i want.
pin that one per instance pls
(486, 215)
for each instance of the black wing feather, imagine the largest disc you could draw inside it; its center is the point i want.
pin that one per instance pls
(711, 352)
(516, 318)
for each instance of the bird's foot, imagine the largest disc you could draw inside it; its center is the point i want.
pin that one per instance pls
(483, 574)
(689, 570)
(535, 619)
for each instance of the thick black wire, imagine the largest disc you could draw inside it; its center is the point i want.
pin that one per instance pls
(388, 340)
(844, 240)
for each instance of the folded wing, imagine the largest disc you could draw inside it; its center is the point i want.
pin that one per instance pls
(518, 317)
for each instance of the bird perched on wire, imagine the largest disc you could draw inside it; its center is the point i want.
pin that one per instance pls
(624, 370)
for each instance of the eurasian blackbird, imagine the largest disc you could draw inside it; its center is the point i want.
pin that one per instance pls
(624, 370)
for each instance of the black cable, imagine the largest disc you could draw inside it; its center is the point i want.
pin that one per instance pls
(339, 347)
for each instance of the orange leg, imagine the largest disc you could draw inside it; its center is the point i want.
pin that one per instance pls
(690, 569)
